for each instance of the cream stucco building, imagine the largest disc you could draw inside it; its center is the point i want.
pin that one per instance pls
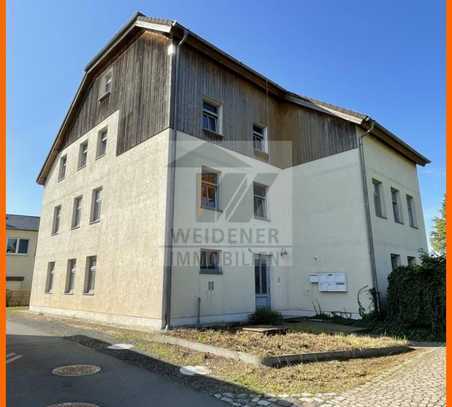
(22, 238)
(185, 188)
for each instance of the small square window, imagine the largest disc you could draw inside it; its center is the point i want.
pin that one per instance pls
(23, 246)
(411, 261)
(102, 143)
(209, 261)
(11, 246)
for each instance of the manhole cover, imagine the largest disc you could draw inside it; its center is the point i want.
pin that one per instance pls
(192, 370)
(120, 346)
(76, 370)
(74, 404)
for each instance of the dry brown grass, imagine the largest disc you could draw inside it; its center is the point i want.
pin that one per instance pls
(313, 377)
(275, 345)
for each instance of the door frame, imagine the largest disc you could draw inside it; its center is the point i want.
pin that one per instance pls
(268, 296)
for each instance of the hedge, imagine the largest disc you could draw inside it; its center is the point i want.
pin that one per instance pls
(417, 296)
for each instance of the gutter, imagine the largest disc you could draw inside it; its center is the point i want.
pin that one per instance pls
(370, 237)
(171, 185)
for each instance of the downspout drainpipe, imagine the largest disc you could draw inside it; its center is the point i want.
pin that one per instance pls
(171, 187)
(370, 236)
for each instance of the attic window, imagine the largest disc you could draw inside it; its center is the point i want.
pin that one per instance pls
(106, 82)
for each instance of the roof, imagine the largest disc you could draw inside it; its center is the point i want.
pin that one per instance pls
(140, 23)
(22, 222)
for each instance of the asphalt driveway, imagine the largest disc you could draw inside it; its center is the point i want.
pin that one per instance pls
(32, 354)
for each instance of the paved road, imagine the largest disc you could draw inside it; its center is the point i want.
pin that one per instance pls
(33, 353)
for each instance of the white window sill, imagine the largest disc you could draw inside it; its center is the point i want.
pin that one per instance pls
(17, 254)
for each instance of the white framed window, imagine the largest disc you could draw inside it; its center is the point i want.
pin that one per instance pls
(76, 212)
(102, 142)
(70, 276)
(56, 219)
(378, 199)
(395, 261)
(209, 261)
(50, 277)
(212, 116)
(96, 205)
(62, 168)
(411, 261)
(396, 205)
(106, 83)
(411, 211)
(17, 246)
(209, 189)
(260, 143)
(83, 155)
(260, 200)
(90, 274)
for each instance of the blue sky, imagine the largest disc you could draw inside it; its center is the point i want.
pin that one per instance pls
(385, 58)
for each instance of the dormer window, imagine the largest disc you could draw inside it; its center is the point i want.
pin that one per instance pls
(106, 82)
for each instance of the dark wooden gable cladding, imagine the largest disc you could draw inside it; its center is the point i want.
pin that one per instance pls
(140, 91)
(311, 134)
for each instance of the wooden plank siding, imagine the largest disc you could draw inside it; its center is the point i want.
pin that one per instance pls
(140, 90)
(307, 135)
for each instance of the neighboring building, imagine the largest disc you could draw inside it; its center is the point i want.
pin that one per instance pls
(262, 198)
(22, 238)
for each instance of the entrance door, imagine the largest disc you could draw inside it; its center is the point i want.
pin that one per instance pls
(262, 281)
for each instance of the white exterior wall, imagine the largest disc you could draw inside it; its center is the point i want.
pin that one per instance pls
(127, 241)
(317, 209)
(393, 170)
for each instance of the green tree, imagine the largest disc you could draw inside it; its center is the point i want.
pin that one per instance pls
(438, 235)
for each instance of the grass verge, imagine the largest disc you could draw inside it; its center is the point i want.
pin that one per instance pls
(319, 377)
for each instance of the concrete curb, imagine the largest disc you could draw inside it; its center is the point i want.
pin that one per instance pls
(283, 360)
